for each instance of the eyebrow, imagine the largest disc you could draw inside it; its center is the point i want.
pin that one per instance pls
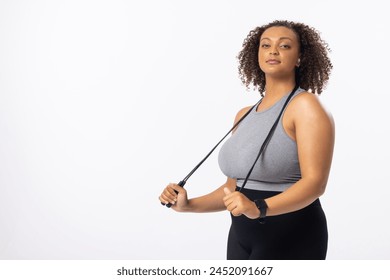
(281, 38)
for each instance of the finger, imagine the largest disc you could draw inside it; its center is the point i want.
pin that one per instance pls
(172, 196)
(168, 199)
(227, 191)
(231, 207)
(176, 187)
(164, 199)
(170, 190)
(229, 194)
(169, 195)
(227, 201)
(235, 209)
(236, 213)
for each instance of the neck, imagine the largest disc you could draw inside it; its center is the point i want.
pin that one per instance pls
(277, 88)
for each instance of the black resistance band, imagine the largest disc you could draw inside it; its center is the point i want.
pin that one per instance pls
(263, 146)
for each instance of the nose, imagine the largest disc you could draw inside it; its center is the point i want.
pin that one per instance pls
(273, 51)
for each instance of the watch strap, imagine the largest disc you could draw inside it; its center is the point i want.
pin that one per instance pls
(262, 206)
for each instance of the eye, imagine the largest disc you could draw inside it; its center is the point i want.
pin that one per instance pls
(265, 45)
(285, 46)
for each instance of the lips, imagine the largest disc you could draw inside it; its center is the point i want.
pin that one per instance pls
(272, 61)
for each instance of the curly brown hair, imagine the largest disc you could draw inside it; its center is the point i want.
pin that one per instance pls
(315, 67)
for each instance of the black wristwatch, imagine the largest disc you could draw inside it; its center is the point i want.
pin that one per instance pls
(262, 206)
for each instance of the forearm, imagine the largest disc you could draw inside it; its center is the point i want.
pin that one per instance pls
(211, 202)
(298, 196)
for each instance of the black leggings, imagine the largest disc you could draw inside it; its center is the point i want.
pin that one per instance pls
(300, 235)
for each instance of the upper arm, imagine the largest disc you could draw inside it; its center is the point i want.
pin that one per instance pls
(315, 133)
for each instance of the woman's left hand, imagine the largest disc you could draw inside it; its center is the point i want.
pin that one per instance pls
(238, 204)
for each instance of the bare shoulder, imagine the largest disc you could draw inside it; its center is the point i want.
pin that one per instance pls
(306, 105)
(241, 113)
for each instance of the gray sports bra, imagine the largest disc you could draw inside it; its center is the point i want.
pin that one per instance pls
(278, 166)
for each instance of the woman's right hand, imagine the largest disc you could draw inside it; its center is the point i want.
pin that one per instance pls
(178, 199)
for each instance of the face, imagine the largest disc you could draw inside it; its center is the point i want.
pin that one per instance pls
(278, 51)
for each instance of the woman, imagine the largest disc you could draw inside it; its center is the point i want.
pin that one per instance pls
(285, 185)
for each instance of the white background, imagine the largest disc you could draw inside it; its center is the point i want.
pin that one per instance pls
(103, 103)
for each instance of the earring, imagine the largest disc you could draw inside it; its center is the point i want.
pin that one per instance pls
(298, 62)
